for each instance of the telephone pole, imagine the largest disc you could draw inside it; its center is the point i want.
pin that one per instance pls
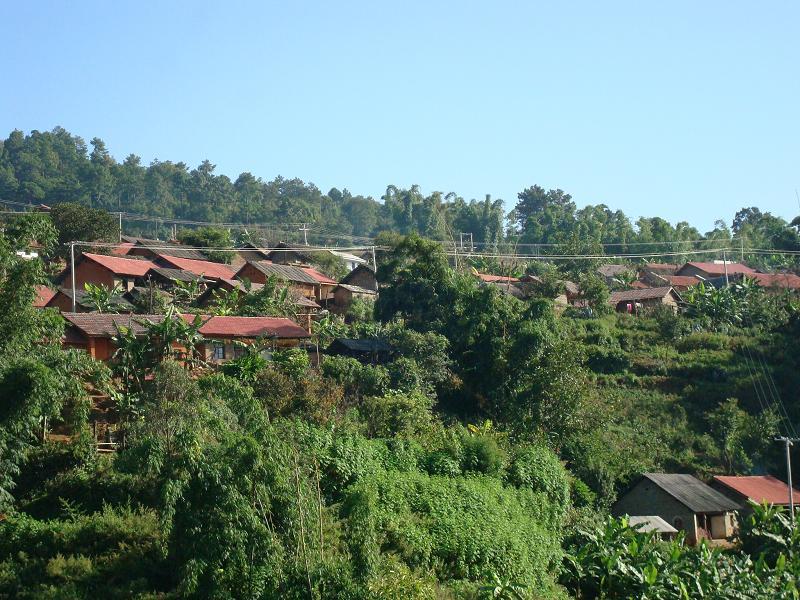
(788, 443)
(305, 230)
(72, 271)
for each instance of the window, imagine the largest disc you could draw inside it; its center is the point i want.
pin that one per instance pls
(219, 351)
(677, 522)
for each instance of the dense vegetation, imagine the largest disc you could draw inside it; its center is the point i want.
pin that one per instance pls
(479, 462)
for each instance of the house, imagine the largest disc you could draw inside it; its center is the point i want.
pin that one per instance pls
(108, 271)
(771, 282)
(165, 278)
(62, 300)
(684, 502)
(366, 350)
(247, 253)
(344, 294)
(648, 523)
(43, 295)
(152, 249)
(284, 254)
(718, 268)
(633, 301)
(362, 276)
(224, 335)
(94, 333)
(351, 260)
(680, 283)
(325, 283)
(303, 304)
(204, 268)
(611, 272)
(755, 488)
(662, 269)
(298, 280)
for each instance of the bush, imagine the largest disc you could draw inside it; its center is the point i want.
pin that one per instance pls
(482, 454)
(537, 468)
(704, 341)
(397, 413)
(458, 528)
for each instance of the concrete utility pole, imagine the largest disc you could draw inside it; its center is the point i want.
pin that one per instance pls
(305, 231)
(788, 443)
(72, 271)
(725, 264)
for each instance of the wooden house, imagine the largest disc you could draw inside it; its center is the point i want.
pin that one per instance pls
(152, 249)
(634, 301)
(108, 271)
(684, 502)
(211, 271)
(362, 276)
(718, 268)
(344, 294)
(62, 300)
(299, 282)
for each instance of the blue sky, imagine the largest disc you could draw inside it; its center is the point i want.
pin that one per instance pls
(686, 110)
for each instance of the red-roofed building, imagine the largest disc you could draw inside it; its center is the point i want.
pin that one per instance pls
(43, 295)
(94, 333)
(326, 284)
(708, 270)
(101, 269)
(757, 488)
(776, 281)
(209, 270)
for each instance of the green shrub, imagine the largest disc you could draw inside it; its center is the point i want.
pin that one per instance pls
(460, 528)
(704, 341)
(482, 454)
(397, 413)
(537, 468)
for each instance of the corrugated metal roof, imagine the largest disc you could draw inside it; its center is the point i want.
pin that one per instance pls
(317, 276)
(285, 272)
(651, 523)
(81, 298)
(252, 327)
(177, 274)
(361, 345)
(120, 266)
(43, 295)
(356, 289)
(166, 248)
(759, 488)
(692, 493)
(643, 294)
(97, 325)
(208, 269)
(719, 268)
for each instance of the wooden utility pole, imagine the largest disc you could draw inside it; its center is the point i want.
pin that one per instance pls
(72, 271)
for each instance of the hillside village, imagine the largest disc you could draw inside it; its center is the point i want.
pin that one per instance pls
(625, 398)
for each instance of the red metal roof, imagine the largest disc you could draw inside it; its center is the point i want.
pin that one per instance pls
(719, 268)
(318, 277)
(251, 327)
(121, 266)
(43, 295)
(759, 488)
(210, 270)
(123, 248)
(642, 294)
(777, 280)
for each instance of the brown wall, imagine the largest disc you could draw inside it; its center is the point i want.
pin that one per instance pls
(364, 279)
(304, 289)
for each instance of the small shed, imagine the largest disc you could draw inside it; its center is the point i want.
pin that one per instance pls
(648, 523)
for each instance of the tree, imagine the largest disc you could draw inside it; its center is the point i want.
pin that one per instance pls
(103, 299)
(215, 241)
(79, 223)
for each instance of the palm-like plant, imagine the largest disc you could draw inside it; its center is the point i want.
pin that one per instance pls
(102, 298)
(185, 292)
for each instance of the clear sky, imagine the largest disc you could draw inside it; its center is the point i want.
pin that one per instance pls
(686, 110)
